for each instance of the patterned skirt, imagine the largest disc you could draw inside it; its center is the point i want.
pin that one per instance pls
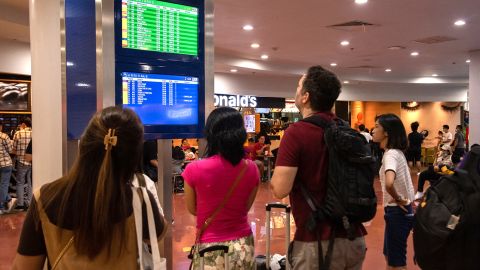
(241, 255)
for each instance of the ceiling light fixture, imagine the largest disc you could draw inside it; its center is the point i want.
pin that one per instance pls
(248, 27)
(345, 43)
(255, 45)
(333, 64)
(346, 82)
(361, 2)
(434, 75)
(414, 54)
(388, 70)
(264, 56)
(467, 61)
(233, 70)
(460, 23)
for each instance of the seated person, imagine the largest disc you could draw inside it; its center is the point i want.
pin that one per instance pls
(443, 165)
(178, 157)
(191, 154)
(150, 159)
(251, 153)
(261, 148)
(185, 145)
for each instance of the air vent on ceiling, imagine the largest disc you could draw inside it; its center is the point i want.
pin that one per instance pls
(435, 40)
(352, 26)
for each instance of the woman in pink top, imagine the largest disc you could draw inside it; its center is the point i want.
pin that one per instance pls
(207, 182)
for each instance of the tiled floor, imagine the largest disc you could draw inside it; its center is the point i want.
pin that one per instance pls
(183, 233)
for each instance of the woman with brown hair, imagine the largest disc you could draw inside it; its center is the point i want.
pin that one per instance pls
(84, 220)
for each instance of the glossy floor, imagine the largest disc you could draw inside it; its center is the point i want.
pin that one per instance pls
(183, 232)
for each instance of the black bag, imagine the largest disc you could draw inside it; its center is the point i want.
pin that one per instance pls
(350, 196)
(446, 232)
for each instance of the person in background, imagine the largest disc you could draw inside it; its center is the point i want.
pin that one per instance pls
(150, 159)
(459, 145)
(178, 157)
(364, 132)
(21, 139)
(397, 188)
(443, 165)
(414, 151)
(207, 183)
(84, 220)
(6, 166)
(185, 145)
(447, 137)
(251, 154)
(303, 160)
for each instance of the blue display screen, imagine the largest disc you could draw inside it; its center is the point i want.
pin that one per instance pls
(161, 99)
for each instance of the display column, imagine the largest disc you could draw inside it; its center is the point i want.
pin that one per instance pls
(474, 97)
(48, 95)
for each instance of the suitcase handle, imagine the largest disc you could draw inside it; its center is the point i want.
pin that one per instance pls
(269, 206)
(213, 248)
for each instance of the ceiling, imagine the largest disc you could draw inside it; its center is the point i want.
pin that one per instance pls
(295, 35)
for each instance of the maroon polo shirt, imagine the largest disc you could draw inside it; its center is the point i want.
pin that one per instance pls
(303, 146)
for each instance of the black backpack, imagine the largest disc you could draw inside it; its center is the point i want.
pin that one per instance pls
(446, 232)
(350, 198)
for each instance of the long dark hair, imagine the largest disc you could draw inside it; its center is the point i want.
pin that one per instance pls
(97, 187)
(397, 136)
(225, 134)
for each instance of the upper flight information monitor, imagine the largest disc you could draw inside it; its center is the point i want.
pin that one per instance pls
(159, 26)
(161, 99)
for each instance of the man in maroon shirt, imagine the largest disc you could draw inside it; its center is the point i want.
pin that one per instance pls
(303, 159)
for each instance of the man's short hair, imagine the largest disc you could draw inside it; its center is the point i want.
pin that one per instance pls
(361, 127)
(323, 87)
(414, 126)
(27, 121)
(458, 126)
(446, 127)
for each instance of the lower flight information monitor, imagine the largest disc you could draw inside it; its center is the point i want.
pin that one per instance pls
(161, 99)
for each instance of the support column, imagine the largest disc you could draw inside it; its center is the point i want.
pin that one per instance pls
(47, 43)
(474, 97)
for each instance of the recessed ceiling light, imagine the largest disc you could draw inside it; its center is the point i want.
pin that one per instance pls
(345, 43)
(264, 56)
(361, 1)
(468, 61)
(460, 22)
(233, 70)
(255, 45)
(434, 75)
(346, 82)
(248, 27)
(396, 47)
(333, 64)
(414, 54)
(388, 70)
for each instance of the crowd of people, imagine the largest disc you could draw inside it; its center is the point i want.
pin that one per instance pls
(16, 156)
(59, 226)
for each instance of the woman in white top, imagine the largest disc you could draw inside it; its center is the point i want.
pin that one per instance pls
(397, 189)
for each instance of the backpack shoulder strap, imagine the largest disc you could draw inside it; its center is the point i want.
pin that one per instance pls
(317, 121)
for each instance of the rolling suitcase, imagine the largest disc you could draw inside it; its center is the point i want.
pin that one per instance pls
(263, 262)
(202, 252)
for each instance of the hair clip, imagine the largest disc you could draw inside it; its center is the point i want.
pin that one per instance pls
(110, 139)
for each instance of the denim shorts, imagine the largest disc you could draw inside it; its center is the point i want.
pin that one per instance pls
(398, 225)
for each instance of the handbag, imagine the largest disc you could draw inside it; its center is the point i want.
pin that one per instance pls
(147, 260)
(209, 220)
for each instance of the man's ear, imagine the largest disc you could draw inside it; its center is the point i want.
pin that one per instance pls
(306, 97)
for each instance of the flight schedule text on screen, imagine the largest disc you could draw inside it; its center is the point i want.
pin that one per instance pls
(160, 26)
(161, 99)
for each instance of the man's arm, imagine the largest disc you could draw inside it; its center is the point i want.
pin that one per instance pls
(282, 181)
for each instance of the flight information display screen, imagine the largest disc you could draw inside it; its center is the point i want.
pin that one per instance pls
(161, 99)
(159, 26)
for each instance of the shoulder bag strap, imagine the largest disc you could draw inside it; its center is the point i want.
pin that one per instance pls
(209, 220)
(137, 213)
